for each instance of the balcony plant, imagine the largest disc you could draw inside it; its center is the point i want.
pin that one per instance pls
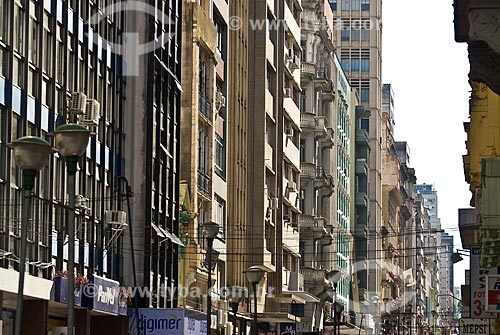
(61, 287)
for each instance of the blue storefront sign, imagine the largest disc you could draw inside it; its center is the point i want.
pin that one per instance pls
(167, 321)
(102, 294)
(61, 291)
(288, 329)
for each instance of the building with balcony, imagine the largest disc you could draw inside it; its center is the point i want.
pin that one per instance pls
(327, 168)
(273, 157)
(476, 23)
(358, 41)
(203, 148)
(397, 188)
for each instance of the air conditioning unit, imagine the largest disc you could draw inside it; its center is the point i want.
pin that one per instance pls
(77, 103)
(92, 113)
(289, 131)
(295, 62)
(292, 185)
(273, 203)
(116, 217)
(220, 100)
(288, 92)
(221, 317)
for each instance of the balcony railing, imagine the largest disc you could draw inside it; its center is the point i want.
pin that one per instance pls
(204, 184)
(205, 107)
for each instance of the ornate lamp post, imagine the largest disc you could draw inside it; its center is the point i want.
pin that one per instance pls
(210, 230)
(236, 294)
(31, 154)
(254, 275)
(71, 141)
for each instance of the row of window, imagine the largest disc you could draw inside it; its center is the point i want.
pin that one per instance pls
(351, 5)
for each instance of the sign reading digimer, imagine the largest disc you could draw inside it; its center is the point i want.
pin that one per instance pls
(167, 321)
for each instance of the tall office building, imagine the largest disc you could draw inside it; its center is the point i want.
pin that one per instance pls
(273, 155)
(204, 148)
(359, 44)
(152, 122)
(49, 51)
(327, 164)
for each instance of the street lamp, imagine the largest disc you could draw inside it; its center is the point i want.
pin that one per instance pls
(31, 154)
(210, 230)
(254, 275)
(334, 277)
(71, 141)
(235, 296)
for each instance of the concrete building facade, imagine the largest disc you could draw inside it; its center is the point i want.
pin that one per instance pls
(359, 45)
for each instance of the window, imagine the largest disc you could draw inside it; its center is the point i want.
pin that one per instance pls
(47, 45)
(355, 64)
(203, 150)
(345, 64)
(365, 124)
(4, 12)
(333, 5)
(355, 5)
(18, 28)
(365, 34)
(365, 4)
(220, 156)
(344, 35)
(303, 150)
(365, 64)
(220, 215)
(17, 72)
(345, 5)
(355, 34)
(221, 35)
(33, 35)
(365, 94)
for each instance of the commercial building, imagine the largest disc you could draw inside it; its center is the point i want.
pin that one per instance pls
(358, 42)
(203, 167)
(327, 171)
(51, 54)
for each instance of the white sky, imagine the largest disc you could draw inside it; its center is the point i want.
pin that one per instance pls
(429, 74)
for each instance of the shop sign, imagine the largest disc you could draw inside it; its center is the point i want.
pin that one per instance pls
(478, 307)
(102, 294)
(474, 327)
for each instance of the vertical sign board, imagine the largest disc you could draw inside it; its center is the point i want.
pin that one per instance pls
(478, 307)
(493, 293)
(474, 327)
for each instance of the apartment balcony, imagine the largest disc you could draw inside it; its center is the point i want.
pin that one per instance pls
(292, 281)
(205, 108)
(312, 223)
(292, 25)
(321, 78)
(361, 167)
(292, 153)
(324, 181)
(203, 27)
(328, 92)
(307, 121)
(361, 199)
(307, 171)
(321, 122)
(314, 276)
(291, 238)
(204, 184)
(307, 72)
(362, 137)
(269, 156)
(269, 104)
(292, 110)
(329, 140)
